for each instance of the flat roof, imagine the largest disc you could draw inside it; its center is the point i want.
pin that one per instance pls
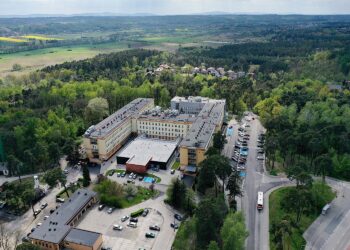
(104, 127)
(82, 237)
(144, 148)
(167, 116)
(203, 128)
(140, 159)
(56, 227)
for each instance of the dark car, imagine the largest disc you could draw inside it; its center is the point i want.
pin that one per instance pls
(100, 207)
(174, 225)
(123, 174)
(178, 217)
(155, 228)
(52, 210)
(134, 219)
(111, 173)
(32, 230)
(25, 239)
(140, 178)
(145, 212)
(43, 205)
(150, 235)
(130, 181)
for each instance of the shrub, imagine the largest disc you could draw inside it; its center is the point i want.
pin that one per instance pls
(137, 213)
(111, 201)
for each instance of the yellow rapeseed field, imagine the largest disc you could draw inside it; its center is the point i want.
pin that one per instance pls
(11, 40)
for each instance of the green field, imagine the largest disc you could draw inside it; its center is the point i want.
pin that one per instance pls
(36, 59)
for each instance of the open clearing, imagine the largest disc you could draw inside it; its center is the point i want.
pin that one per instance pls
(36, 59)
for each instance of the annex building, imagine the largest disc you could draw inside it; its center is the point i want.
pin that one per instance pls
(58, 232)
(188, 127)
(142, 153)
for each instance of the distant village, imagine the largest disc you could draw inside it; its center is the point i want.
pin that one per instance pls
(215, 72)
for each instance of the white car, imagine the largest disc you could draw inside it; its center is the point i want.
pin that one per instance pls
(110, 210)
(117, 227)
(39, 224)
(260, 157)
(124, 218)
(132, 224)
(46, 217)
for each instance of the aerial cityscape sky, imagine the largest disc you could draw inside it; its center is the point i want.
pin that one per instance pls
(166, 7)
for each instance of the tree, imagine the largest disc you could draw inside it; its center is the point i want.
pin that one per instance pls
(281, 233)
(300, 175)
(219, 141)
(223, 168)
(176, 193)
(54, 176)
(210, 215)
(234, 187)
(206, 178)
(298, 200)
(212, 151)
(27, 246)
(86, 176)
(213, 245)
(130, 191)
(28, 197)
(96, 110)
(323, 165)
(233, 232)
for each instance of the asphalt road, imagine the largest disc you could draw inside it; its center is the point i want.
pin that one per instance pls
(257, 223)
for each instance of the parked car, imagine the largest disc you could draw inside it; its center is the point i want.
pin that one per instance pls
(32, 230)
(134, 176)
(43, 205)
(58, 199)
(172, 171)
(106, 248)
(118, 174)
(25, 239)
(46, 217)
(260, 157)
(140, 178)
(130, 181)
(174, 225)
(150, 235)
(110, 210)
(39, 224)
(132, 224)
(37, 211)
(155, 228)
(123, 174)
(66, 171)
(52, 210)
(145, 212)
(117, 227)
(101, 207)
(124, 218)
(134, 220)
(178, 217)
(111, 172)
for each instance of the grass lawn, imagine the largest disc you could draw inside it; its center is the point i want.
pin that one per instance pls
(143, 194)
(277, 213)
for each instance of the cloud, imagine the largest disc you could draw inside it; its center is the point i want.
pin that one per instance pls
(9, 7)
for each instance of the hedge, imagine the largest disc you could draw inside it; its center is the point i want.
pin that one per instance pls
(137, 213)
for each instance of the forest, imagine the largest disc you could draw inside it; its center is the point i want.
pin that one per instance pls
(44, 113)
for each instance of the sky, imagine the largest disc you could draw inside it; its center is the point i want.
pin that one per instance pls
(172, 7)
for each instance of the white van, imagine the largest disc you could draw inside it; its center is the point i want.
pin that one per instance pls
(132, 224)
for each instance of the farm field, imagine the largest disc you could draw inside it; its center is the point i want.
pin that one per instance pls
(36, 59)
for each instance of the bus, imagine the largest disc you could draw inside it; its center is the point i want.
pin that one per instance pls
(260, 203)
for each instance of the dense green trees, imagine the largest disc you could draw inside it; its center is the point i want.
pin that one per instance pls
(54, 176)
(27, 246)
(233, 232)
(307, 124)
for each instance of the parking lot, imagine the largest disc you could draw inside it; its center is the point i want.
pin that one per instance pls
(133, 238)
